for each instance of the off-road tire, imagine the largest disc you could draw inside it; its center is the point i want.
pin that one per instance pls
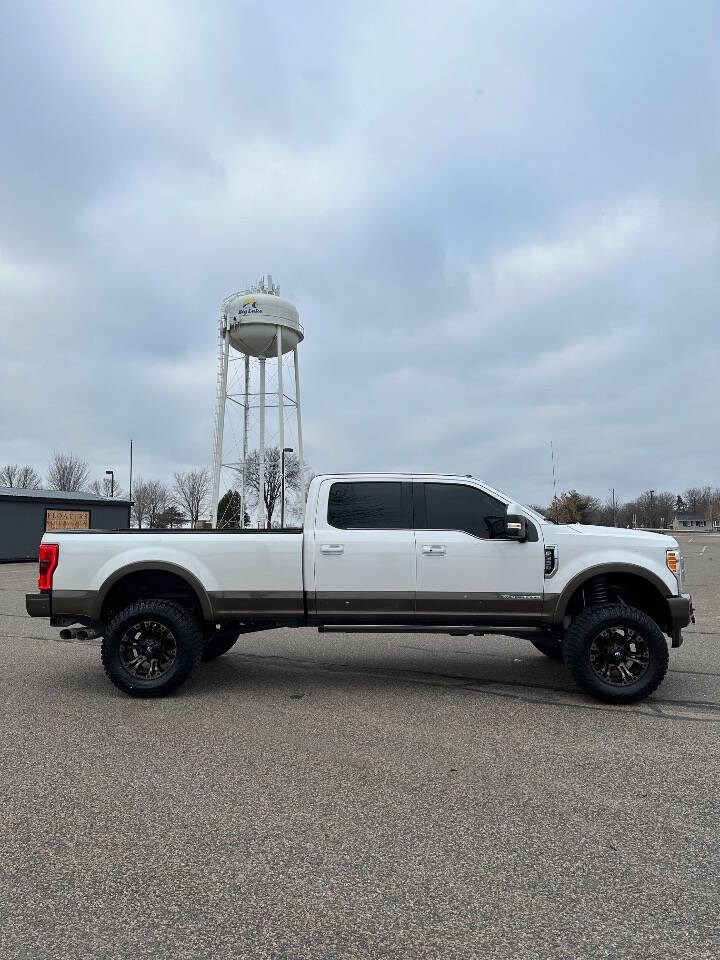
(216, 646)
(588, 626)
(552, 650)
(185, 631)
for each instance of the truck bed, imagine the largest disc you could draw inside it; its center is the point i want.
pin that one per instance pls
(236, 573)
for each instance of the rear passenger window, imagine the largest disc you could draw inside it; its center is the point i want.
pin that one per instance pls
(455, 506)
(363, 505)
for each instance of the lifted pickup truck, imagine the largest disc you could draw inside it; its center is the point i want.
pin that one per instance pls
(378, 553)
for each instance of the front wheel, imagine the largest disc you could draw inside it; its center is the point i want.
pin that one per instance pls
(616, 653)
(150, 647)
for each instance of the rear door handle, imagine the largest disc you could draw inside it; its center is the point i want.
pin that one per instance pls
(332, 548)
(430, 549)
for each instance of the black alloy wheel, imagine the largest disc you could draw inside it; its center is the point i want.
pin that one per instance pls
(147, 649)
(616, 653)
(150, 647)
(619, 656)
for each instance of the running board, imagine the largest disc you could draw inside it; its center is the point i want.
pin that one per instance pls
(522, 633)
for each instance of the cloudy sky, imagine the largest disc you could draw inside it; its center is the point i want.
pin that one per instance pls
(499, 222)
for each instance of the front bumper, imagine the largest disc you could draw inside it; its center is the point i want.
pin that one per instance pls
(681, 614)
(37, 604)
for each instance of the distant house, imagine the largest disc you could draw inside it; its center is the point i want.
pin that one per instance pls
(693, 521)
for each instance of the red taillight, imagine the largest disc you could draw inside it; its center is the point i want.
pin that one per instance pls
(48, 560)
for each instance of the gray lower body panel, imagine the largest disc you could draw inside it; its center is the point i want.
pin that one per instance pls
(500, 609)
(348, 606)
(428, 608)
(525, 608)
(78, 603)
(257, 604)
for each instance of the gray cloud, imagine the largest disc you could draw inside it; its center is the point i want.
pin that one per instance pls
(500, 226)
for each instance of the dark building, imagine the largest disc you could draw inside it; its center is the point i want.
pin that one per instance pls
(25, 515)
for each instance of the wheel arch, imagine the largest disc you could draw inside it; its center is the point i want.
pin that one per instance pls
(649, 589)
(134, 572)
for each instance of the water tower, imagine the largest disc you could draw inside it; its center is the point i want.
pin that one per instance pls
(259, 326)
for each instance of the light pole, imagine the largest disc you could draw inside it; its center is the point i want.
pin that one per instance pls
(111, 474)
(282, 484)
(652, 509)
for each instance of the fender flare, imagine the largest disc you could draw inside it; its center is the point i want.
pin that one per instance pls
(606, 568)
(163, 566)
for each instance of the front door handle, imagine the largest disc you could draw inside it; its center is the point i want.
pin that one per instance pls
(437, 549)
(332, 548)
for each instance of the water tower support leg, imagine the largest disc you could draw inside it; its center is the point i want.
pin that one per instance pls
(299, 428)
(281, 395)
(263, 517)
(246, 413)
(221, 401)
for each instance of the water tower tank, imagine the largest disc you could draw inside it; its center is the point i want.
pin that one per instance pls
(253, 319)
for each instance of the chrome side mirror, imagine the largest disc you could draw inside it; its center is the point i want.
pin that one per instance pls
(515, 523)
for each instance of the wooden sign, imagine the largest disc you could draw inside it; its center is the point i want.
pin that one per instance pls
(67, 519)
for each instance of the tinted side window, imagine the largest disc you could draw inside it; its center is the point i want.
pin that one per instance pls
(368, 505)
(454, 506)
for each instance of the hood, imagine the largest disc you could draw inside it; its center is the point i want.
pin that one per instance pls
(623, 532)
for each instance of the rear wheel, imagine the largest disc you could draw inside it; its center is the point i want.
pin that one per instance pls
(552, 650)
(616, 653)
(150, 647)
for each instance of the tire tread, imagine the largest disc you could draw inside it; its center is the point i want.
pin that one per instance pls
(590, 621)
(185, 621)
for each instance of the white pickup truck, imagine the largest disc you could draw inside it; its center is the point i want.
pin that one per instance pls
(378, 553)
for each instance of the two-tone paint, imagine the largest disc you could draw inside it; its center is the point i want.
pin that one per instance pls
(325, 575)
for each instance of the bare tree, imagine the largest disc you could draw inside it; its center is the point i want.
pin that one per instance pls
(25, 477)
(150, 500)
(663, 508)
(158, 500)
(607, 512)
(698, 500)
(67, 472)
(104, 488)
(191, 492)
(714, 505)
(651, 509)
(273, 477)
(141, 502)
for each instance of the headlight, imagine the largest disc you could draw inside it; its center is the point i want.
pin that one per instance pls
(673, 561)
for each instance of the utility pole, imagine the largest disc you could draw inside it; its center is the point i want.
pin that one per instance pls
(130, 491)
(614, 507)
(652, 508)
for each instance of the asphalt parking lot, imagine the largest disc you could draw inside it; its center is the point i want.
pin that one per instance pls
(313, 795)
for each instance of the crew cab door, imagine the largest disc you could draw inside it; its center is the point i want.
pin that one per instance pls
(467, 572)
(364, 552)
